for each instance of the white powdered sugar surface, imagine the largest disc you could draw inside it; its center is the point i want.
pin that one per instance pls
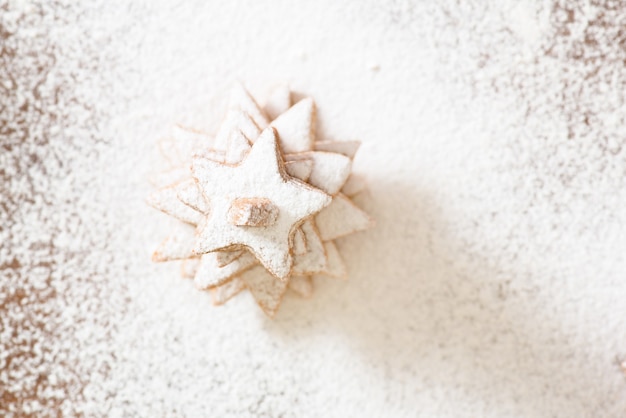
(493, 152)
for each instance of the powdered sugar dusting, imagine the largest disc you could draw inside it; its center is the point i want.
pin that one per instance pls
(493, 152)
(55, 259)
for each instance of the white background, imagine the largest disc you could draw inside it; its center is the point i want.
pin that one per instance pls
(491, 286)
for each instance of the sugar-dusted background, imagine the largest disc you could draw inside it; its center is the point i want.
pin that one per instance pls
(493, 143)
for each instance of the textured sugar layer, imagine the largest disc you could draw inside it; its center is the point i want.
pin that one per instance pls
(493, 153)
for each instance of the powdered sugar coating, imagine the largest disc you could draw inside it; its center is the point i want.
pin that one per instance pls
(329, 170)
(341, 218)
(260, 174)
(506, 105)
(295, 127)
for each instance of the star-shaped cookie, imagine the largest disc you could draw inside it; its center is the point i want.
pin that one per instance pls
(255, 205)
(258, 210)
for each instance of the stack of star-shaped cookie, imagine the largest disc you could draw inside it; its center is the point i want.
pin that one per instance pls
(260, 202)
